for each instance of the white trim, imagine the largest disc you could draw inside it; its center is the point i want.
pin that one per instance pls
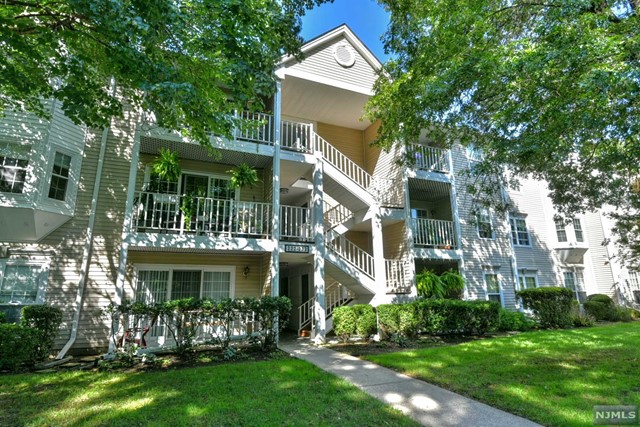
(73, 179)
(518, 244)
(493, 272)
(42, 278)
(326, 81)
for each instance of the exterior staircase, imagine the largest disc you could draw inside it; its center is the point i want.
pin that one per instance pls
(336, 295)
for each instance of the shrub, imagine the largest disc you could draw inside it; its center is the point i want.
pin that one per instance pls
(448, 317)
(344, 322)
(45, 320)
(600, 307)
(513, 321)
(583, 320)
(366, 324)
(621, 314)
(20, 346)
(398, 319)
(269, 312)
(453, 284)
(552, 306)
(635, 314)
(3, 317)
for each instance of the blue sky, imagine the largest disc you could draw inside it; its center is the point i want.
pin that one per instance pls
(365, 17)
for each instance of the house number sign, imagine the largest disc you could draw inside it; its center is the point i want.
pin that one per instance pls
(296, 249)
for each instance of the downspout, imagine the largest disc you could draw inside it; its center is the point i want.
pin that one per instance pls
(88, 245)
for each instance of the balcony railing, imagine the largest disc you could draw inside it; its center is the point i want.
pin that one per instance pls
(336, 215)
(350, 252)
(296, 136)
(295, 223)
(172, 213)
(257, 127)
(434, 233)
(430, 158)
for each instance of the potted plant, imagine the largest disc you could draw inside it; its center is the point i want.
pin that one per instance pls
(243, 175)
(165, 170)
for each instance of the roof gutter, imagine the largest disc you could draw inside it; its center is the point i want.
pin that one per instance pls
(88, 245)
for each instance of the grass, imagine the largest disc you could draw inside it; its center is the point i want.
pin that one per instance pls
(276, 392)
(552, 377)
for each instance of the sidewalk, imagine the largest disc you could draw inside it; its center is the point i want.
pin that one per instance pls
(425, 403)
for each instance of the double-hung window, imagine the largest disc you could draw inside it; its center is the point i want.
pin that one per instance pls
(13, 173)
(492, 284)
(574, 280)
(485, 228)
(561, 231)
(634, 284)
(519, 231)
(21, 283)
(577, 229)
(60, 176)
(527, 279)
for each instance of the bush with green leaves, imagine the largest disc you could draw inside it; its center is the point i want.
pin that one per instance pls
(344, 322)
(366, 323)
(20, 347)
(601, 307)
(45, 320)
(551, 306)
(449, 317)
(514, 321)
(3, 317)
(398, 319)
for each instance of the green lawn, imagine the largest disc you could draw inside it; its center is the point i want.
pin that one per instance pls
(552, 377)
(277, 392)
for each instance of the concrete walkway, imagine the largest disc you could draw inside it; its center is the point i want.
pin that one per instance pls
(425, 403)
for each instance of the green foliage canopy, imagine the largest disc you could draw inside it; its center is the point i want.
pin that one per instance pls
(189, 63)
(551, 89)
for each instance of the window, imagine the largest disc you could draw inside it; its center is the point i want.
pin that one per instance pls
(527, 279)
(158, 284)
(13, 173)
(519, 232)
(492, 284)
(59, 176)
(485, 229)
(21, 283)
(634, 284)
(574, 280)
(577, 229)
(561, 232)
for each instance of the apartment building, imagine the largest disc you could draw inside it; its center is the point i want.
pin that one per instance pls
(332, 220)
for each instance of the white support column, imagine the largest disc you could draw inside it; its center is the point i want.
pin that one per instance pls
(126, 227)
(377, 241)
(318, 262)
(275, 225)
(411, 267)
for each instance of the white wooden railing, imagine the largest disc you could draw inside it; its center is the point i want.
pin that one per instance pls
(335, 295)
(296, 136)
(256, 127)
(430, 158)
(396, 275)
(336, 215)
(350, 253)
(434, 233)
(344, 164)
(295, 223)
(157, 212)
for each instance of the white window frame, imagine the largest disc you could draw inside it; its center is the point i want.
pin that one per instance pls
(577, 275)
(202, 268)
(42, 279)
(561, 229)
(578, 229)
(486, 213)
(74, 178)
(513, 225)
(486, 286)
(524, 274)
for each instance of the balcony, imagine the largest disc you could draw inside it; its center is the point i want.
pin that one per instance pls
(434, 233)
(430, 159)
(204, 216)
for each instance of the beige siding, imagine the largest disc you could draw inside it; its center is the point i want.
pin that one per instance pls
(251, 286)
(348, 141)
(371, 152)
(320, 61)
(395, 241)
(361, 239)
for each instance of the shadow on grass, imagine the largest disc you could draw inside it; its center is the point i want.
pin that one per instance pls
(553, 377)
(284, 392)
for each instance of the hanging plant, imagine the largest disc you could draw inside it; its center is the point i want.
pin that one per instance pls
(429, 285)
(243, 175)
(453, 283)
(166, 167)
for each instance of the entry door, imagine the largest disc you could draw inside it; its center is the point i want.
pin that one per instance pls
(304, 291)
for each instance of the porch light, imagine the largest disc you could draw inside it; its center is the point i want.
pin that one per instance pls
(284, 190)
(246, 271)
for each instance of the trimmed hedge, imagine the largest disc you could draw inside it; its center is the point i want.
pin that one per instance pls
(3, 317)
(514, 321)
(45, 320)
(552, 306)
(601, 307)
(359, 319)
(438, 317)
(19, 347)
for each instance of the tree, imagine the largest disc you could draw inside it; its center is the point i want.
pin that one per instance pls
(189, 63)
(550, 89)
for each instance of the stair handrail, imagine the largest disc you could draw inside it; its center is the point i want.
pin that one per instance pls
(350, 252)
(341, 162)
(336, 295)
(336, 215)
